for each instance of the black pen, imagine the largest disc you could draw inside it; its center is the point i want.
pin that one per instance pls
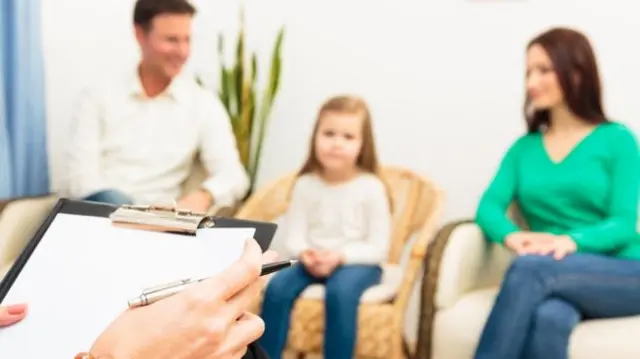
(152, 295)
(276, 266)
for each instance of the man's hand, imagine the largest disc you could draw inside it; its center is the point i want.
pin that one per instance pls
(197, 201)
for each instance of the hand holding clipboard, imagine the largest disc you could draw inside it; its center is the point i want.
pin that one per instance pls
(112, 263)
(207, 310)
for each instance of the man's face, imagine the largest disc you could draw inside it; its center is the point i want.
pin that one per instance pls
(167, 43)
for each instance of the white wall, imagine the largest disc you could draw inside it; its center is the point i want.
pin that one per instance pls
(444, 78)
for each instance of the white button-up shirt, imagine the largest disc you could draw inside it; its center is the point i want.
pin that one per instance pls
(121, 139)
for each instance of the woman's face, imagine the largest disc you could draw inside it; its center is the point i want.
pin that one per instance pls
(543, 88)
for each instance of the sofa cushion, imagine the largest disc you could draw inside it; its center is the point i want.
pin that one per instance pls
(457, 331)
(19, 221)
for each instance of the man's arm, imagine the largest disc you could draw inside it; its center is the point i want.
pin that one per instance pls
(228, 181)
(83, 158)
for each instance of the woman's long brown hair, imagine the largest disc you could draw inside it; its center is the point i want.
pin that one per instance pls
(368, 158)
(575, 65)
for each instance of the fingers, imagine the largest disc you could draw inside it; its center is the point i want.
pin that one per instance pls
(561, 252)
(519, 247)
(538, 248)
(241, 274)
(12, 314)
(245, 331)
(546, 250)
(242, 301)
(269, 256)
(318, 271)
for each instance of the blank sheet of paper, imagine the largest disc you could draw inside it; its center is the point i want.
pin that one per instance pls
(83, 272)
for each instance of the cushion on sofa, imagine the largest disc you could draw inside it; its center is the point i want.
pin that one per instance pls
(19, 221)
(458, 328)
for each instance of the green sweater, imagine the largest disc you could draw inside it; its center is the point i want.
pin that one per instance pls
(591, 195)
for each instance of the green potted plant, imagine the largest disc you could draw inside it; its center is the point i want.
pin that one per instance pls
(248, 106)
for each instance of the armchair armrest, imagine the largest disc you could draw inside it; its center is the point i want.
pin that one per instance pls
(418, 252)
(19, 221)
(458, 261)
(467, 262)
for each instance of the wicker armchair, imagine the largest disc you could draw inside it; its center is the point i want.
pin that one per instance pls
(417, 207)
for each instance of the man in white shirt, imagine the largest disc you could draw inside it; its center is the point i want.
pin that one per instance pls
(134, 139)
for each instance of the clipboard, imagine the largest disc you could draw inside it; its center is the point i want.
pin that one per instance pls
(161, 230)
(264, 233)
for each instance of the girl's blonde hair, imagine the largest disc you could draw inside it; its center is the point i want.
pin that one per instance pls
(368, 158)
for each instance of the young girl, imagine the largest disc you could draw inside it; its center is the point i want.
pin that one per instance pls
(339, 228)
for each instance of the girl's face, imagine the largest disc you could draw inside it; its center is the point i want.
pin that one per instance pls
(338, 141)
(543, 87)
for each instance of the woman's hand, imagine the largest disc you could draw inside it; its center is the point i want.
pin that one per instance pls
(562, 246)
(12, 314)
(541, 243)
(529, 242)
(209, 320)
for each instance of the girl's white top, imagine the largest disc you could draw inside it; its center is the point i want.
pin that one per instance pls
(352, 218)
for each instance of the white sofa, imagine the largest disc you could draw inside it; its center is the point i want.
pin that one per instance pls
(462, 276)
(19, 220)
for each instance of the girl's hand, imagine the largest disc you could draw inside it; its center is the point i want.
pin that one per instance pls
(12, 314)
(309, 258)
(209, 320)
(328, 261)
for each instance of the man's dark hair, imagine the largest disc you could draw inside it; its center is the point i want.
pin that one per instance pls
(146, 10)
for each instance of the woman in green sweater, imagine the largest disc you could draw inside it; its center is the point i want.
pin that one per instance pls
(575, 177)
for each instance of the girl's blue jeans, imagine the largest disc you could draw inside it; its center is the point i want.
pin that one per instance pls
(344, 287)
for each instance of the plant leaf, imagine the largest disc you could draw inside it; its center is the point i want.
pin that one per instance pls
(276, 65)
(254, 68)
(223, 92)
(240, 72)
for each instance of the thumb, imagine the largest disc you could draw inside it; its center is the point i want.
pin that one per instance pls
(239, 275)
(12, 314)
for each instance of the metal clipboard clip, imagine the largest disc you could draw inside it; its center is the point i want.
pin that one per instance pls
(161, 218)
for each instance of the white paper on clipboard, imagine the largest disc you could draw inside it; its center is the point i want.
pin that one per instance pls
(84, 270)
